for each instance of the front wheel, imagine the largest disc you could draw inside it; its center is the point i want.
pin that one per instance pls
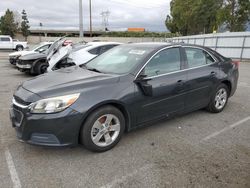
(219, 99)
(103, 129)
(40, 68)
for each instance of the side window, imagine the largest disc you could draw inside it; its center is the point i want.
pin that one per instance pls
(197, 57)
(165, 61)
(43, 48)
(106, 48)
(5, 39)
(95, 51)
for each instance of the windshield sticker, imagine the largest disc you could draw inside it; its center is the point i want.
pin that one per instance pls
(137, 52)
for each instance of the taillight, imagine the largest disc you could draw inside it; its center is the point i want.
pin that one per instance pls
(236, 63)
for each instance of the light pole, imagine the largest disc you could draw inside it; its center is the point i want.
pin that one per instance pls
(90, 18)
(80, 19)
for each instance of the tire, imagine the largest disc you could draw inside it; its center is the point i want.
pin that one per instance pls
(19, 48)
(97, 134)
(219, 99)
(40, 68)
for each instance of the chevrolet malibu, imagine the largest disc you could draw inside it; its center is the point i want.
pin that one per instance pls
(127, 87)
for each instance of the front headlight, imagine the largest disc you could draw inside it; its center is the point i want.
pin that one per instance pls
(15, 56)
(52, 105)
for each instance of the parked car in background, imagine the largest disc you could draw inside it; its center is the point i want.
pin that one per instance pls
(36, 63)
(7, 43)
(78, 54)
(129, 86)
(39, 48)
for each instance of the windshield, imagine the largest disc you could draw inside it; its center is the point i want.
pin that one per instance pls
(36, 46)
(119, 60)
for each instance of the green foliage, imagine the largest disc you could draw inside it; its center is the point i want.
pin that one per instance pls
(203, 16)
(234, 14)
(7, 24)
(139, 34)
(25, 24)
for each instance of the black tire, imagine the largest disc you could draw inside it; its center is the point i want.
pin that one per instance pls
(86, 131)
(212, 104)
(19, 48)
(40, 68)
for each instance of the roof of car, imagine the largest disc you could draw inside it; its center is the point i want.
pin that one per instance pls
(102, 43)
(161, 44)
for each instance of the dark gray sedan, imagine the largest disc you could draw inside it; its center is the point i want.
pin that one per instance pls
(126, 87)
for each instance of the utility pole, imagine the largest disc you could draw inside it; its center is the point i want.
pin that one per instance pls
(80, 19)
(105, 19)
(90, 18)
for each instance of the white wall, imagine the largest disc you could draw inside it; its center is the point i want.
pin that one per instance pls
(235, 45)
(37, 39)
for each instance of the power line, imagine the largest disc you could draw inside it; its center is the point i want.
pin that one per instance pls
(137, 5)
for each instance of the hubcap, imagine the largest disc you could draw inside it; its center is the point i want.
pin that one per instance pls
(220, 98)
(105, 130)
(43, 69)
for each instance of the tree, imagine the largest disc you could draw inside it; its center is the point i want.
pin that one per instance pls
(25, 25)
(192, 16)
(235, 14)
(8, 26)
(203, 16)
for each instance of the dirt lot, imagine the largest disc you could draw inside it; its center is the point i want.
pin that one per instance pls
(199, 149)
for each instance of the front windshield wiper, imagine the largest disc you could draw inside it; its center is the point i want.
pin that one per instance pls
(93, 69)
(90, 69)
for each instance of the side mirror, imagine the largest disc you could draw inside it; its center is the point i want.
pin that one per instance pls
(41, 50)
(142, 82)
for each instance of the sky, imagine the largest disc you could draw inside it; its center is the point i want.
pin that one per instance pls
(65, 13)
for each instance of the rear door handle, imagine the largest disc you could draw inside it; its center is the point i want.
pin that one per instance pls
(213, 73)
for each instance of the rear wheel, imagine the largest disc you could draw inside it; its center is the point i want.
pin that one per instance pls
(219, 99)
(19, 48)
(103, 129)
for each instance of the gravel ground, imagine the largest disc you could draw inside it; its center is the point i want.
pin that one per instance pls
(199, 149)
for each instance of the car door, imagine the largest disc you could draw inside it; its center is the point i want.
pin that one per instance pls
(203, 71)
(164, 75)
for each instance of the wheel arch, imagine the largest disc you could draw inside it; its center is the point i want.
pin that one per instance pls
(40, 60)
(19, 45)
(228, 84)
(120, 106)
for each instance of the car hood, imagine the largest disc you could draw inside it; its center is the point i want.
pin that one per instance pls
(20, 53)
(34, 55)
(67, 81)
(58, 56)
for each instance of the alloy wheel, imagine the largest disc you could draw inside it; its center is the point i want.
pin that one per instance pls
(220, 98)
(105, 130)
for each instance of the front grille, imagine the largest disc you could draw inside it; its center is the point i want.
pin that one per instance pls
(20, 62)
(20, 101)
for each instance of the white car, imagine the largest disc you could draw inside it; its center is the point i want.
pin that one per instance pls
(78, 55)
(39, 48)
(7, 43)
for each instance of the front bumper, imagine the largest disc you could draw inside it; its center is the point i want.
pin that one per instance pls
(57, 129)
(13, 60)
(25, 66)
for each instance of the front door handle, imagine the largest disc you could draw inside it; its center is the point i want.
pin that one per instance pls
(180, 82)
